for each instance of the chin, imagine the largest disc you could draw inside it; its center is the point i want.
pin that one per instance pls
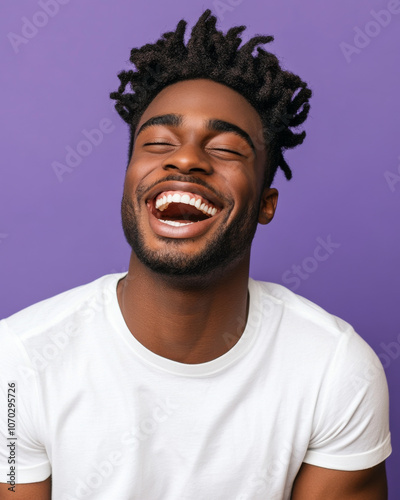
(223, 250)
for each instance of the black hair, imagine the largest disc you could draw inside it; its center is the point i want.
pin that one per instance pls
(280, 97)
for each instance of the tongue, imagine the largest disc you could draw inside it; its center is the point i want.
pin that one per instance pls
(181, 212)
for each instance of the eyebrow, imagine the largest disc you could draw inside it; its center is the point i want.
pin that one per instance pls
(170, 119)
(175, 120)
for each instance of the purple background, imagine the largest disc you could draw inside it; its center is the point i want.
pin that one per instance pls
(56, 235)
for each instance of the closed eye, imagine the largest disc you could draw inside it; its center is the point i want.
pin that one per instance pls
(227, 151)
(222, 150)
(157, 144)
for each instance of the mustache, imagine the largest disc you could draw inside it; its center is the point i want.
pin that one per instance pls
(143, 190)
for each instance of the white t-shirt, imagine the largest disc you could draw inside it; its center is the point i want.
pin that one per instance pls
(110, 419)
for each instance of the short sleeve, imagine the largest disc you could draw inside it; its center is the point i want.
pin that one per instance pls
(351, 425)
(20, 443)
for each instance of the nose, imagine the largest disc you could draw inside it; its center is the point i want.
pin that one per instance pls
(188, 159)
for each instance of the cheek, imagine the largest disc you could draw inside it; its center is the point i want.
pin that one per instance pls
(136, 171)
(129, 180)
(143, 163)
(242, 182)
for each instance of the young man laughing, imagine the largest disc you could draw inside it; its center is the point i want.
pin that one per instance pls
(184, 378)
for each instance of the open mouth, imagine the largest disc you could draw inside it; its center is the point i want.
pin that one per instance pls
(182, 208)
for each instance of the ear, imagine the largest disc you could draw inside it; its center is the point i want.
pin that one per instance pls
(269, 200)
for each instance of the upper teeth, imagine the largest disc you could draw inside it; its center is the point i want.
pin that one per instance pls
(163, 202)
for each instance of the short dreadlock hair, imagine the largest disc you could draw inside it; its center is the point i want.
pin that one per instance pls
(280, 97)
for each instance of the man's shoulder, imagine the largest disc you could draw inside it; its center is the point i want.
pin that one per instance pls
(304, 329)
(57, 309)
(299, 309)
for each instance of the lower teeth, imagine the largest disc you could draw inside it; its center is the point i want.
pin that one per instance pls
(175, 223)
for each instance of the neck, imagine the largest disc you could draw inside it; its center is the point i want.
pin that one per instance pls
(190, 321)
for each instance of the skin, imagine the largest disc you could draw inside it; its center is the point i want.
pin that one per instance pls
(317, 483)
(195, 309)
(30, 491)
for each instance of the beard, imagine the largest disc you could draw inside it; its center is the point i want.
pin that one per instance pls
(225, 249)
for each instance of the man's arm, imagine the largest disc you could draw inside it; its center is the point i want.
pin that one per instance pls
(31, 491)
(317, 483)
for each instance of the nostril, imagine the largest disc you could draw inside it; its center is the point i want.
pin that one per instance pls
(186, 168)
(172, 167)
(197, 169)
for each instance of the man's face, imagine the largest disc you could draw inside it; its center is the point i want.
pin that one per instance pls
(193, 191)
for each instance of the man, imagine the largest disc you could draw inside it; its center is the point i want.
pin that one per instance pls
(185, 379)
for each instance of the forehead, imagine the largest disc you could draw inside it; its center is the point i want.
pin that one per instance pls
(205, 99)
